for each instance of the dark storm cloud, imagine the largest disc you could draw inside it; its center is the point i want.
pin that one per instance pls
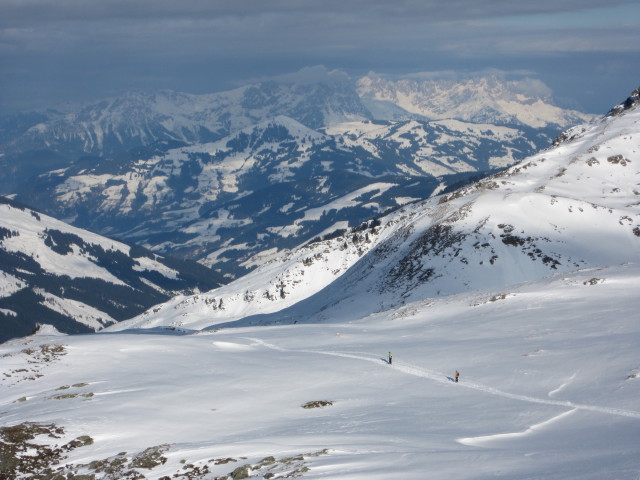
(78, 48)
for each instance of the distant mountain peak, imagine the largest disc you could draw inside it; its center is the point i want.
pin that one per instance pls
(632, 101)
(480, 98)
(318, 74)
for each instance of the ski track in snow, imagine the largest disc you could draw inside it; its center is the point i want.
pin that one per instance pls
(480, 441)
(553, 392)
(443, 378)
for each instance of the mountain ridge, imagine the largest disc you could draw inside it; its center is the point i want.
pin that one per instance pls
(519, 225)
(328, 99)
(78, 281)
(488, 99)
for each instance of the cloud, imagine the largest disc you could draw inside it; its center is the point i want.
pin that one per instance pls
(76, 46)
(43, 11)
(330, 26)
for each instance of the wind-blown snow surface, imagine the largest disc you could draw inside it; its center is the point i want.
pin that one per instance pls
(549, 388)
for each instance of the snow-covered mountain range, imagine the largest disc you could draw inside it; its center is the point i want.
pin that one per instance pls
(525, 283)
(78, 281)
(271, 186)
(224, 177)
(486, 99)
(314, 97)
(574, 206)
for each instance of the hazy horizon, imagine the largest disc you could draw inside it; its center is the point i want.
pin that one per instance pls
(586, 51)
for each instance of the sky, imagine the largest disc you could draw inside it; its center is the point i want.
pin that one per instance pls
(57, 52)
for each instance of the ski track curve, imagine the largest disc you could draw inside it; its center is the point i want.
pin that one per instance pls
(418, 371)
(553, 392)
(487, 439)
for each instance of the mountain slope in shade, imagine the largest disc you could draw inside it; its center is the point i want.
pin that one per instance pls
(573, 207)
(77, 281)
(137, 119)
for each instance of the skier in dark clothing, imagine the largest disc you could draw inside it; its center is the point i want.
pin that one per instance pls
(390, 358)
(456, 375)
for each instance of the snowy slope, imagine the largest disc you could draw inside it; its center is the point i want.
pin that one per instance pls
(549, 384)
(574, 206)
(78, 281)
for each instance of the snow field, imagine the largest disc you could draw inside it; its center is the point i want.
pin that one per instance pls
(546, 389)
